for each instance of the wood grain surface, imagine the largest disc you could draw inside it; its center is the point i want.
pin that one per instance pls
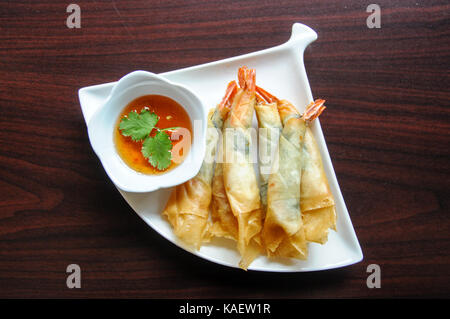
(387, 129)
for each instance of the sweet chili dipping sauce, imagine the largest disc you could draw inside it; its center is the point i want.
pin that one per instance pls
(171, 114)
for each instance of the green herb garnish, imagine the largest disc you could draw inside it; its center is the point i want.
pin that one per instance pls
(138, 126)
(156, 149)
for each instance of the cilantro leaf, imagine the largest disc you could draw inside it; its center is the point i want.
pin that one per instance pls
(157, 150)
(138, 126)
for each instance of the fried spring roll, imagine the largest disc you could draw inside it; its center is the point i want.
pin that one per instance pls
(188, 207)
(284, 233)
(239, 176)
(224, 223)
(269, 124)
(317, 203)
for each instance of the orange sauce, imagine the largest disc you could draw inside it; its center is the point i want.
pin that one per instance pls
(171, 114)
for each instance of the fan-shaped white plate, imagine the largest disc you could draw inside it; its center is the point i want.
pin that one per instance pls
(281, 71)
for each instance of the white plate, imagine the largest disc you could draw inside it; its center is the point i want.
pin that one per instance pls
(281, 71)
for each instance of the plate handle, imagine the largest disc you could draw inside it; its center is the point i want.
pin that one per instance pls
(301, 37)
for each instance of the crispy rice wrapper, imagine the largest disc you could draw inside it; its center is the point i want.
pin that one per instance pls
(317, 201)
(188, 207)
(224, 223)
(315, 190)
(283, 233)
(270, 126)
(318, 222)
(240, 181)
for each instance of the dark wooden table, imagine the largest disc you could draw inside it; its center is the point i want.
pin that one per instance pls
(387, 128)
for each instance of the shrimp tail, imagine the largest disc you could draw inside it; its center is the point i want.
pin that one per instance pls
(286, 109)
(243, 114)
(246, 78)
(225, 105)
(314, 110)
(266, 95)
